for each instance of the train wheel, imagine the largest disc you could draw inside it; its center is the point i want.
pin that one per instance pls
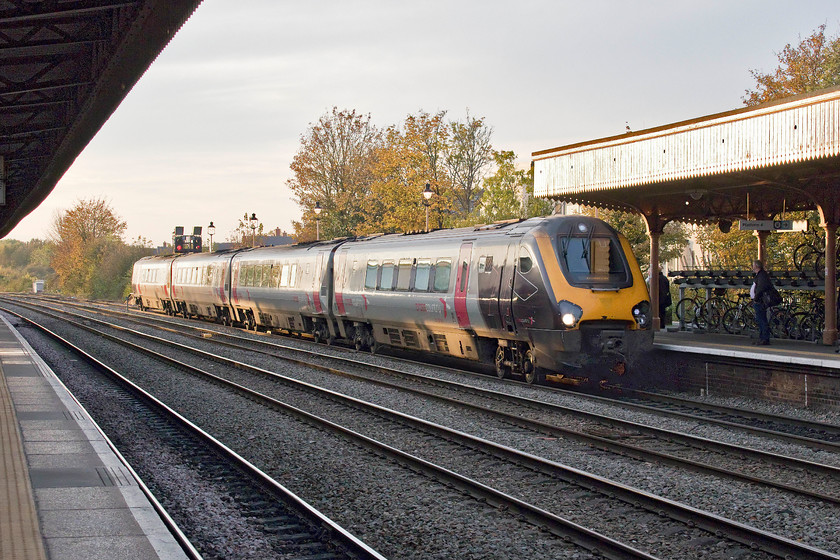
(316, 335)
(529, 368)
(502, 370)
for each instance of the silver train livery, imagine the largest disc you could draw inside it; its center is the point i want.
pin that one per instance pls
(559, 295)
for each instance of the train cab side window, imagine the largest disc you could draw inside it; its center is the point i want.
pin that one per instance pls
(386, 278)
(421, 275)
(370, 275)
(404, 275)
(442, 273)
(485, 265)
(525, 261)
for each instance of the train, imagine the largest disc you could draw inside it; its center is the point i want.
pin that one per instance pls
(561, 295)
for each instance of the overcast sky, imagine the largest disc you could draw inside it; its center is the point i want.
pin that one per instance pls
(210, 130)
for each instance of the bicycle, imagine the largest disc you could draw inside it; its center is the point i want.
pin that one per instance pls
(740, 319)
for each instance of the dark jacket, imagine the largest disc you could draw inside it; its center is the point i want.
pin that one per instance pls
(762, 284)
(664, 292)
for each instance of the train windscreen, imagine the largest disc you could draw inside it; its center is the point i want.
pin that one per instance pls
(592, 258)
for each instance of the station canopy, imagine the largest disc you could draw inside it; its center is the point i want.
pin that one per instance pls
(750, 163)
(65, 66)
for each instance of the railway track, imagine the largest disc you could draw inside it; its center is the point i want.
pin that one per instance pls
(644, 442)
(278, 523)
(692, 520)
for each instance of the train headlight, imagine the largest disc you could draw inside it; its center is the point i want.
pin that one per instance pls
(570, 313)
(641, 313)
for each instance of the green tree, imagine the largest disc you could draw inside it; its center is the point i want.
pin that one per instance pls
(334, 167)
(509, 192)
(21, 263)
(813, 64)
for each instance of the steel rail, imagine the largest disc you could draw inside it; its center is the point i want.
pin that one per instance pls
(791, 438)
(606, 444)
(744, 534)
(586, 538)
(355, 547)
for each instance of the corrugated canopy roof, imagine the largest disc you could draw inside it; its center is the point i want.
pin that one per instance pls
(65, 66)
(774, 157)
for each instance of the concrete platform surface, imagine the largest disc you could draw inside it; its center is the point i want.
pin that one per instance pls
(64, 493)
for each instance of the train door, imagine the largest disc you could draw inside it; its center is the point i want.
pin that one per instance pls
(340, 281)
(506, 288)
(316, 283)
(461, 284)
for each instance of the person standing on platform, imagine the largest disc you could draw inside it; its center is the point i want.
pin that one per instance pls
(761, 284)
(664, 297)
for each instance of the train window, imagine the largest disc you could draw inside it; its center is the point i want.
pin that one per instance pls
(525, 261)
(247, 278)
(292, 275)
(386, 278)
(442, 273)
(485, 265)
(370, 275)
(593, 259)
(421, 275)
(404, 275)
(284, 276)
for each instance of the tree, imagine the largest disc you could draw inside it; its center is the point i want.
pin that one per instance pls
(244, 236)
(813, 64)
(84, 236)
(408, 158)
(469, 155)
(333, 167)
(21, 263)
(509, 192)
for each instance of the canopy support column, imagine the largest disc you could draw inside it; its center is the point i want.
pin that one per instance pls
(830, 330)
(762, 246)
(655, 226)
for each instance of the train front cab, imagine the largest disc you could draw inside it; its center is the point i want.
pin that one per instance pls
(593, 318)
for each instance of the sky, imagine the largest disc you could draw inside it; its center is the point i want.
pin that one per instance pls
(210, 130)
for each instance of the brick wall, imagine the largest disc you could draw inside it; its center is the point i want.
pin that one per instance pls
(801, 386)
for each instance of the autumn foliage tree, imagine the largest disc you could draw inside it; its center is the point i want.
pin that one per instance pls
(90, 258)
(409, 157)
(813, 64)
(334, 167)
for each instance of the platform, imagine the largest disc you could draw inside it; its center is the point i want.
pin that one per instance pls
(782, 351)
(793, 372)
(64, 493)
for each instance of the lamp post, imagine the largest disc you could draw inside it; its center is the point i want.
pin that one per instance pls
(211, 229)
(253, 223)
(427, 196)
(317, 211)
